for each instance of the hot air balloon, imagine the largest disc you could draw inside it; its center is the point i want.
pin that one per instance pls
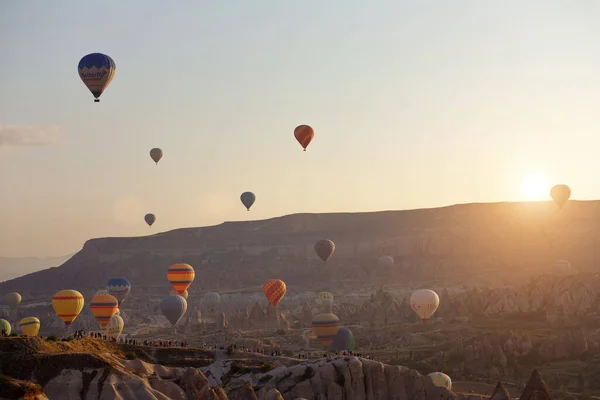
(184, 294)
(304, 135)
(440, 379)
(343, 340)
(173, 307)
(156, 154)
(181, 276)
(30, 326)
(104, 306)
(325, 300)
(5, 327)
(560, 194)
(115, 327)
(118, 287)
(96, 70)
(324, 249)
(274, 290)
(149, 218)
(424, 302)
(386, 261)
(12, 300)
(248, 198)
(211, 300)
(325, 327)
(67, 305)
(562, 266)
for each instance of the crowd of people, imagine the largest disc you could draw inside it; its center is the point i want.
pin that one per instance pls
(133, 342)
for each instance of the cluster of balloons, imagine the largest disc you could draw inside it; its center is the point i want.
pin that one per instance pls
(97, 71)
(174, 305)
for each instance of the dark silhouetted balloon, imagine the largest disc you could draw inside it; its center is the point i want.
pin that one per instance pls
(248, 198)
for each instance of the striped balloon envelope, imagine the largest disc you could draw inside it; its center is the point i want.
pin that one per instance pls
(104, 307)
(30, 326)
(67, 305)
(325, 327)
(274, 290)
(181, 276)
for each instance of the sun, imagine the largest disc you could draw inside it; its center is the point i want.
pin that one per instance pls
(534, 187)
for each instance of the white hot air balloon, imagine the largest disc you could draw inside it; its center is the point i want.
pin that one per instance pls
(386, 261)
(424, 302)
(562, 266)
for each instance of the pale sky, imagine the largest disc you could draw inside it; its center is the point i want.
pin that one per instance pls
(414, 104)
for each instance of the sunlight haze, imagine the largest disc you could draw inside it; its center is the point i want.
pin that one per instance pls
(414, 104)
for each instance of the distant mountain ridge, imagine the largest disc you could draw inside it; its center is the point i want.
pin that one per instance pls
(14, 267)
(493, 243)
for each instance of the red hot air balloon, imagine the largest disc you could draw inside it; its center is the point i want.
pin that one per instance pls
(304, 135)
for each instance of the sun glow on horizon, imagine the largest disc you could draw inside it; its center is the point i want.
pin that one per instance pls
(534, 187)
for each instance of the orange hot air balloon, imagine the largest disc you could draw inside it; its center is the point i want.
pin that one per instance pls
(304, 135)
(67, 305)
(274, 290)
(104, 306)
(181, 276)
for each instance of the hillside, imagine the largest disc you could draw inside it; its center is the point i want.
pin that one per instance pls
(480, 243)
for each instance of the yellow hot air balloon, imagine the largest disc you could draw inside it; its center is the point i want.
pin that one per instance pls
(181, 276)
(5, 326)
(325, 300)
(424, 302)
(104, 306)
(440, 379)
(325, 327)
(67, 305)
(30, 326)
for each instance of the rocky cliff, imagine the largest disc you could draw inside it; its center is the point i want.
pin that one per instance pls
(93, 369)
(482, 243)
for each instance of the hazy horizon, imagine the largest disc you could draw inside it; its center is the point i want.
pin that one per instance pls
(413, 106)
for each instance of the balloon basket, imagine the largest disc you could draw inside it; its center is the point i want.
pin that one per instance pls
(96, 100)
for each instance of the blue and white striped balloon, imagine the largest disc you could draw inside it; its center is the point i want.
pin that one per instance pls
(119, 288)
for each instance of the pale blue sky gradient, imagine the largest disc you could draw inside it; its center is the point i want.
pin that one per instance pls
(414, 104)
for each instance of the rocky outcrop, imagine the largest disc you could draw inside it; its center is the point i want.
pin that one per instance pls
(536, 388)
(333, 378)
(500, 393)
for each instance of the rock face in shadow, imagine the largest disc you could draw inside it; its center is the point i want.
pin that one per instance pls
(500, 393)
(536, 388)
